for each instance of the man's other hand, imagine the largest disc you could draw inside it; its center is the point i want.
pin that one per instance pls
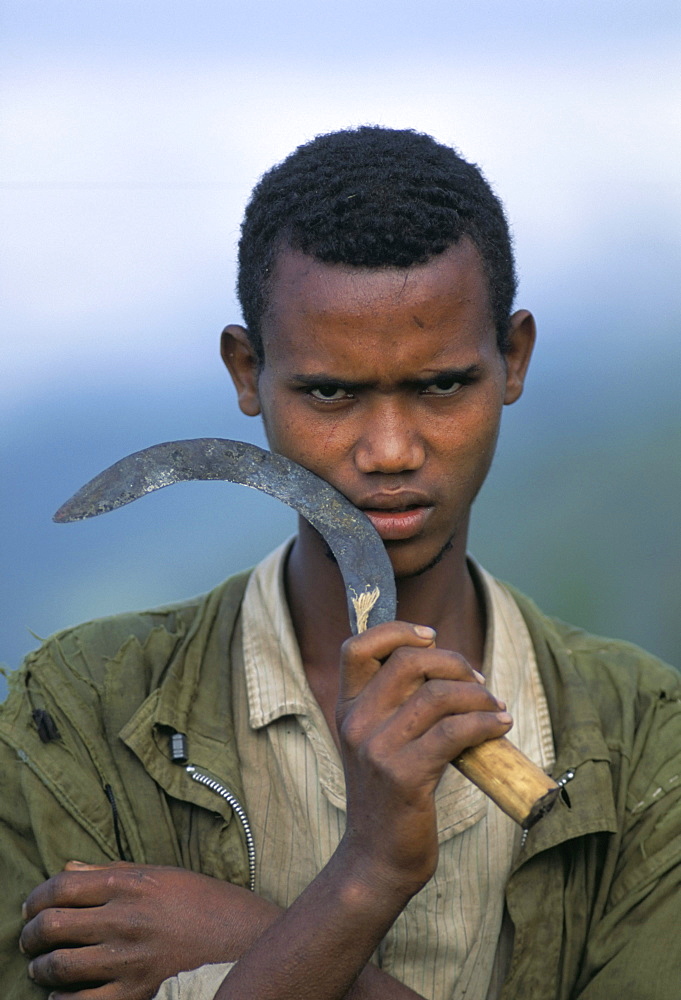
(115, 932)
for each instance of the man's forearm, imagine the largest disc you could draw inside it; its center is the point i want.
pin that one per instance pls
(202, 983)
(320, 946)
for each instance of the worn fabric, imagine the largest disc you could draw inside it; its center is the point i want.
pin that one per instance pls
(594, 894)
(199, 984)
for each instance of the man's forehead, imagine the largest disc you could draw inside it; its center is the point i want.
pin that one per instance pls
(303, 285)
(383, 323)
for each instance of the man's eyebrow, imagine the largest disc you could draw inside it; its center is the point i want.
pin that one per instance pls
(466, 374)
(321, 379)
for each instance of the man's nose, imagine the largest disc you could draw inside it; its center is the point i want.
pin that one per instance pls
(390, 441)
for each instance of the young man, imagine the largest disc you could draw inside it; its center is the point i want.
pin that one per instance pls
(377, 283)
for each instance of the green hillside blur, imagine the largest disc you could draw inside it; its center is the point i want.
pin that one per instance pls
(581, 510)
(591, 532)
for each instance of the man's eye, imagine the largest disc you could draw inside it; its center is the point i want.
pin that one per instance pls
(445, 386)
(329, 393)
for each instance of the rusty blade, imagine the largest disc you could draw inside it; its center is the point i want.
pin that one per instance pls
(355, 543)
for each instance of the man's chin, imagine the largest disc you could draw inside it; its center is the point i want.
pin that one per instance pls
(409, 573)
(396, 553)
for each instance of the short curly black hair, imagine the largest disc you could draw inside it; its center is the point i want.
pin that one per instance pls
(372, 197)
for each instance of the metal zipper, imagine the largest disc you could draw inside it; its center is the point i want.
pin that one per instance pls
(215, 786)
(564, 779)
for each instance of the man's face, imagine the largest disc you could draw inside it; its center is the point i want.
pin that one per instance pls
(388, 384)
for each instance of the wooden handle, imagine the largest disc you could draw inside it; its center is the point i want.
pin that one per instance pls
(519, 787)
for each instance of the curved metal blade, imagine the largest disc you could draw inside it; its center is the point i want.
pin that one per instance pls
(357, 546)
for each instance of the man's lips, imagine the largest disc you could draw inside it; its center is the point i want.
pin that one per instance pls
(399, 522)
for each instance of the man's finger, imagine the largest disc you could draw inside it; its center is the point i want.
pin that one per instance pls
(362, 655)
(110, 991)
(436, 700)
(68, 967)
(455, 733)
(61, 927)
(401, 678)
(89, 886)
(82, 866)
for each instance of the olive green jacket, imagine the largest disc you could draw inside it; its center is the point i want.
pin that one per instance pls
(86, 774)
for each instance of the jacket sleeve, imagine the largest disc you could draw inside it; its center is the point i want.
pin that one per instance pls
(21, 869)
(37, 837)
(633, 949)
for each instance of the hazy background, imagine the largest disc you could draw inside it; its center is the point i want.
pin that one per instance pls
(132, 133)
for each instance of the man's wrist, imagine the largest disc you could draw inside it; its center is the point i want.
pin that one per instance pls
(369, 882)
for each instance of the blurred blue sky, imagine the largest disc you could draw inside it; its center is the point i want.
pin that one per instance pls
(132, 134)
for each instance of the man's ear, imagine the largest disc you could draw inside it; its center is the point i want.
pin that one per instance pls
(243, 365)
(517, 357)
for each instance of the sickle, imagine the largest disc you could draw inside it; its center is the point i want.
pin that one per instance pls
(519, 787)
(357, 546)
